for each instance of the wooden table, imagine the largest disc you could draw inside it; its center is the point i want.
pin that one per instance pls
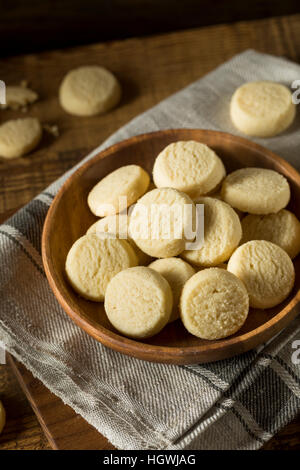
(149, 69)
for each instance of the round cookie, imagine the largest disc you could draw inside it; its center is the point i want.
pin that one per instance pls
(176, 272)
(190, 167)
(282, 228)
(138, 302)
(162, 221)
(19, 136)
(217, 195)
(89, 90)
(18, 97)
(2, 417)
(262, 109)
(256, 190)
(221, 266)
(118, 225)
(93, 261)
(222, 234)
(266, 270)
(118, 190)
(214, 304)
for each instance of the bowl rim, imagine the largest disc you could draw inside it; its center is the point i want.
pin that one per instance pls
(137, 348)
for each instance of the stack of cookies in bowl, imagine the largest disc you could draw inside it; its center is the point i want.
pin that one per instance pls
(196, 245)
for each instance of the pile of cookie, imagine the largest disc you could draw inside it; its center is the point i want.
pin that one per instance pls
(244, 259)
(261, 109)
(84, 91)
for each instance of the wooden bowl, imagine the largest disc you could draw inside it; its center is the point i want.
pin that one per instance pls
(69, 217)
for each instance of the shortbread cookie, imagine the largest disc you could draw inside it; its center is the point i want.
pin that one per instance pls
(256, 190)
(200, 268)
(282, 228)
(93, 261)
(89, 90)
(18, 97)
(138, 302)
(190, 167)
(2, 417)
(161, 222)
(218, 196)
(266, 270)
(177, 272)
(262, 109)
(214, 304)
(118, 225)
(19, 136)
(222, 234)
(118, 190)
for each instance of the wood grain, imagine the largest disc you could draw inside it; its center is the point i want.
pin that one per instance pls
(150, 69)
(63, 428)
(22, 430)
(65, 23)
(173, 345)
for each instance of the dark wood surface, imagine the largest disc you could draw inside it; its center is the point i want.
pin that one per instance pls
(150, 69)
(173, 345)
(35, 25)
(63, 428)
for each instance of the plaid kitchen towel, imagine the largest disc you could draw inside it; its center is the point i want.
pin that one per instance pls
(237, 403)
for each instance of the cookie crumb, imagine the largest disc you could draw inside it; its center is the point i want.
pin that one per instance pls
(18, 97)
(52, 129)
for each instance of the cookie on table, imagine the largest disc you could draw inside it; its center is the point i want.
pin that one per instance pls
(256, 190)
(190, 167)
(118, 190)
(118, 225)
(176, 272)
(282, 228)
(18, 97)
(93, 261)
(222, 234)
(217, 195)
(19, 137)
(214, 304)
(162, 221)
(266, 270)
(262, 109)
(89, 90)
(138, 302)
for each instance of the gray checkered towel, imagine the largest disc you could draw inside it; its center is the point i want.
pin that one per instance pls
(237, 403)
